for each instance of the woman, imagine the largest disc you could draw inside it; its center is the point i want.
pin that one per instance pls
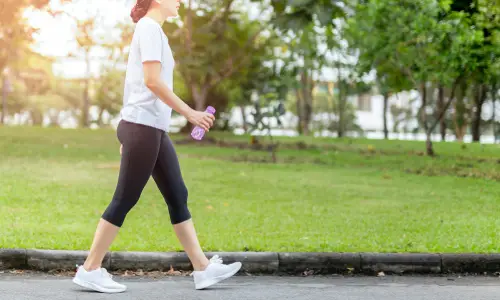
(147, 150)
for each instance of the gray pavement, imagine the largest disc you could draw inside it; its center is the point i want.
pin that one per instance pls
(39, 287)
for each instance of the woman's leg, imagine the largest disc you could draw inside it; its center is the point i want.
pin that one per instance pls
(168, 177)
(189, 240)
(103, 237)
(140, 149)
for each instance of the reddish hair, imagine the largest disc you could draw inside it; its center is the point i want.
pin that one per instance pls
(140, 9)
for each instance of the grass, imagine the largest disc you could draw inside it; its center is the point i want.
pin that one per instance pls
(340, 195)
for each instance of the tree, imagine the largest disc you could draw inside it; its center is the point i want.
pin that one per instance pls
(344, 110)
(211, 44)
(305, 25)
(253, 80)
(86, 41)
(423, 41)
(269, 107)
(484, 16)
(109, 88)
(16, 35)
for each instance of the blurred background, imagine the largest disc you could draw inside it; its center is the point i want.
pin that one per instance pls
(340, 68)
(362, 111)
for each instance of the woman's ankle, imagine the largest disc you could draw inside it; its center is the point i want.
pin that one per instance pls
(201, 266)
(91, 267)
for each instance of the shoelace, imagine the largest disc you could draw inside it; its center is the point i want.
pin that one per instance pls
(216, 259)
(105, 273)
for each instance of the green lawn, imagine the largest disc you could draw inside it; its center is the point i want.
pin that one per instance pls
(342, 195)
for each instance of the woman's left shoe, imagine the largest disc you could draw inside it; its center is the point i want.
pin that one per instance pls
(214, 273)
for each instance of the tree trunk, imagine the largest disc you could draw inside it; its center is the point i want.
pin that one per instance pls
(460, 118)
(299, 111)
(423, 112)
(199, 97)
(100, 117)
(442, 122)
(86, 100)
(36, 117)
(428, 145)
(340, 129)
(479, 98)
(307, 101)
(4, 99)
(244, 117)
(441, 113)
(493, 116)
(386, 104)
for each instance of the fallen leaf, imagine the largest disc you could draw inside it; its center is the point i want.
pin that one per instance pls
(173, 272)
(380, 274)
(210, 207)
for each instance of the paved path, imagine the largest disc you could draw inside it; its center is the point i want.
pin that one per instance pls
(41, 287)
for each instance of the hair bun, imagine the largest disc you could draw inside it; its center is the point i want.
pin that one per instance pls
(140, 9)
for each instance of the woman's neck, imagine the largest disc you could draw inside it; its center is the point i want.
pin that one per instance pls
(155, 15)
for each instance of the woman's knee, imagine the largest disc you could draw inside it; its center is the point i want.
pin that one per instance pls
(115, 213)
(118, 209)
(177, 205)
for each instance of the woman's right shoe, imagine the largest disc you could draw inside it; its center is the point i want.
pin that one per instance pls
(98, 280)
(214, 273)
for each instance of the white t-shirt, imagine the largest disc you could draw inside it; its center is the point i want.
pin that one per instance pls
(140, 104)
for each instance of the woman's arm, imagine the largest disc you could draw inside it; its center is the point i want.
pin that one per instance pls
(152, 79)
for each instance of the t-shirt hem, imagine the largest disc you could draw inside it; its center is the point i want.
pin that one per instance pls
(146, 123)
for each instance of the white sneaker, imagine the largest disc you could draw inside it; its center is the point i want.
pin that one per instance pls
(97, 280)
(214, 273)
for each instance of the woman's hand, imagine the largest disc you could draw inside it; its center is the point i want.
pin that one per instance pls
(200, 118)
(121, 149)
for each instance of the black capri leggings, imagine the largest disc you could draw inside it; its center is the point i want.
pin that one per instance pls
(147, 151)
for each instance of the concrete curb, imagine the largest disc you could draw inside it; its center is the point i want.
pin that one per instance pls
(293, 263)
(399, 263)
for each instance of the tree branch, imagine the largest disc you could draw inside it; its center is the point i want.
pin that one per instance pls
(447, 105)
(423, 112)
(225, 14)
(406, 71)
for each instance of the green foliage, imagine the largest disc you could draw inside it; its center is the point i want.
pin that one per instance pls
(109, 92)
(408, 39)
(212, 45)
(259, 74)
(305, 25)
(417, 44)
(298, 14)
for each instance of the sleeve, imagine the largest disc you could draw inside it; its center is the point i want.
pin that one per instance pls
(150, 42)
